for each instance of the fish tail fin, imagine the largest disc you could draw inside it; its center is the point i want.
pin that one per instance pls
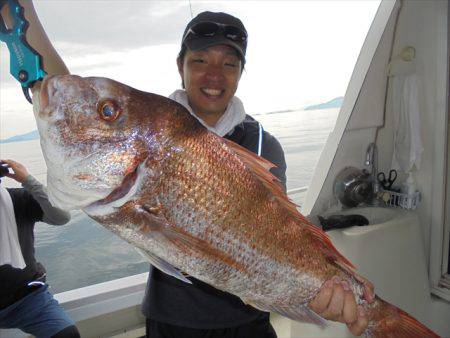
(386, 320)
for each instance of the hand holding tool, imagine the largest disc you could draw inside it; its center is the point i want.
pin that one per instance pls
(25, 62)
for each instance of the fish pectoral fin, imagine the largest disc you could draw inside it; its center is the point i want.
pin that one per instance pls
(260, 168)
(182, 239)
(301, 313)
(162, 265)
(156, 222)
(193, 245)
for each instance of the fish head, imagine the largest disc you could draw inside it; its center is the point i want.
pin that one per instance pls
(95, 133)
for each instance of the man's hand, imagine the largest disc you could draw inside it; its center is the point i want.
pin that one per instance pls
(19, 172)
(335, 301)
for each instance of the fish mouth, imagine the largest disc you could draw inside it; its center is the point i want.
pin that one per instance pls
(46, 92)
(121, 191)
(55, 87)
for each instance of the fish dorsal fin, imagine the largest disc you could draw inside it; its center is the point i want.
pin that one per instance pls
(260, 167)
(249, 156)
(323, 238)
(162, 265)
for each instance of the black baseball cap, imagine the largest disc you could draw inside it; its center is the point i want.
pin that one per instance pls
(215, 28)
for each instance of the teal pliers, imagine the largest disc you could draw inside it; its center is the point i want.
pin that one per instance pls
(25, 62)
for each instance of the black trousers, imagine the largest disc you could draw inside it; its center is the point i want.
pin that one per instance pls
(256, 329)
(68, 332)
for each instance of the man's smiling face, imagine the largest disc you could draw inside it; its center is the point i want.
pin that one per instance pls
(210, 77)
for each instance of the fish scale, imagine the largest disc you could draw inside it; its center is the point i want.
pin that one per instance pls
(191, 200)
(235, 220)
(201, 189)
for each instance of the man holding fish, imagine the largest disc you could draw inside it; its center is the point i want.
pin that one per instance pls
(210, 63)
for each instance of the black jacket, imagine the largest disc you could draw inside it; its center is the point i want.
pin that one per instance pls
(200, 305)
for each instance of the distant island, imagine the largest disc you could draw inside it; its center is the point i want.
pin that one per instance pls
(32, 135)
(334, 103)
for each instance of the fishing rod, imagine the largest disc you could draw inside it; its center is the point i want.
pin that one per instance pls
(190, 9)
(25, 62)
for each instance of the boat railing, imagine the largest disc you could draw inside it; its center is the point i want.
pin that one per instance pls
(297, 195)
(109, 309)
(297, 191)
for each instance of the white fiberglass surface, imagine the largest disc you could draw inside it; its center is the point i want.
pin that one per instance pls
(375, 215)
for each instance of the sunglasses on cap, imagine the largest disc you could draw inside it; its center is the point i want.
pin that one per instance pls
(210, 29)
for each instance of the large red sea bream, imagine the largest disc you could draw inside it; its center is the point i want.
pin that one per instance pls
(143, 167)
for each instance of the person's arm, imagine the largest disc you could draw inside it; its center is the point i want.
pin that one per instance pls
(50, 214)
(37, 38)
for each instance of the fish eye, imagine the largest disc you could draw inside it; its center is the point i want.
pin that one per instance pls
(108, 110)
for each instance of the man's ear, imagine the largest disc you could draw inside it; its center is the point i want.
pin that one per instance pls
(180, 66)
(180, 62)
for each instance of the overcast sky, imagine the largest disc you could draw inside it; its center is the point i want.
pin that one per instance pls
(299, 52)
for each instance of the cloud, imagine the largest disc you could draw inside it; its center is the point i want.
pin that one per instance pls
(113, 25)
(299, 53)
